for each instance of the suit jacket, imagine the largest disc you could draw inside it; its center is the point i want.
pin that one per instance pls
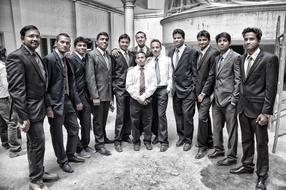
(119, 72)
(258, 89)
(204, 66)
(134, 51)
(78, 67)
(225, 80)
(185, 74)
(98, 76)
(56, 93)
(27, 85)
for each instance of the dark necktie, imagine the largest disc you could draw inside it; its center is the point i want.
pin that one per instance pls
(142, 81)
(177, 57)
(249, 60)
(126, 58)
(219, 63)
(66, 80)
(40, 64)
(157, 69)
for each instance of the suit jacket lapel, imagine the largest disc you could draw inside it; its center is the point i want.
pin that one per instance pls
(243, 57)
(181, 58)
(34, 62)
(224, 61)
(200, 63)
(77, 58)
(101, 59)
(59, 62)
(256, 63)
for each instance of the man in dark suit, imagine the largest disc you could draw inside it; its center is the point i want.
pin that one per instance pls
(184, 61)
(224, 80)
(99, 82)
(77, 60)
(62, 98)
(205, 62)
(141, 44)
(27, 78)
(121, 64)
(257, 95)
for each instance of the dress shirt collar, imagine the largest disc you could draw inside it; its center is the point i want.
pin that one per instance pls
(203, 51)
(59, 54)
(225, 54)
(123, 52)
(255, 54)
(181, 48)
(29, 50)
(101, 51)
(80, 56)
(144, 49)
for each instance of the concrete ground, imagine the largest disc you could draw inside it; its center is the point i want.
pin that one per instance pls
(144, 170)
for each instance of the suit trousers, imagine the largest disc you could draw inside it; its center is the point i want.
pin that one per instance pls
(204, 136)
(11, 131)
(249, 127)
(36, 150)
(69, 120)
(159, 121)
(100, 114)
(184, 111)
(141, 114)
(123, 121)
(84, 117)
(225, 115)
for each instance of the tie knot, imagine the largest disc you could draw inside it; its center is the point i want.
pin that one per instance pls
(177, 50)
(141, 68)
(156, 59)
(249, 58)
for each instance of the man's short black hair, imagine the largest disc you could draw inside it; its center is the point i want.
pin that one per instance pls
(27, 28)
(179, 31)
(62, 34)
(256, 31)
(156, 40)
(141, 32)
(79, 39)
(124, 36)
(223, 35)
(204, 33)
(102, 34)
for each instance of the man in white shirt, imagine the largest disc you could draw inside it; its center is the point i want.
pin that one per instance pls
(141, 83)
(162, 66)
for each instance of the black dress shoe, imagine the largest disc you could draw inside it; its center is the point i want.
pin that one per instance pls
(148, 146)
(108, 141)
(242, 170)
(216, 153)
(226, 162)
(103, 151)
(187, 146)
(155, 140)
(50, 177)
(179, 143)
(164, 147)
(66, 167)
(260, 185)
(118, 147)
(210, 145)
(201, 153)
(127, 139)
(75, 159)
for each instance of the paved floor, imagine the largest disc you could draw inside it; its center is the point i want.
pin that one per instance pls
(152, 170)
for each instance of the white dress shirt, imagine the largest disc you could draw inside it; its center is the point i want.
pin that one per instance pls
(181, 50)
(3, 81)
(166, 70)
(253, 56)
(133, 83)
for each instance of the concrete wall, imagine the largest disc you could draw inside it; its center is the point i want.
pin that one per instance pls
(228, 19)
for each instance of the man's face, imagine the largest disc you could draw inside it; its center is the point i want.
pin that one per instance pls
(203, 42)
(124, 44)
(178, 40)
(102, 42)
(251, 42)
(32, 39)
(63, 44)
(81, 48)
(140, 59)
(223, 44)
(156, 49)
(140, 39)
